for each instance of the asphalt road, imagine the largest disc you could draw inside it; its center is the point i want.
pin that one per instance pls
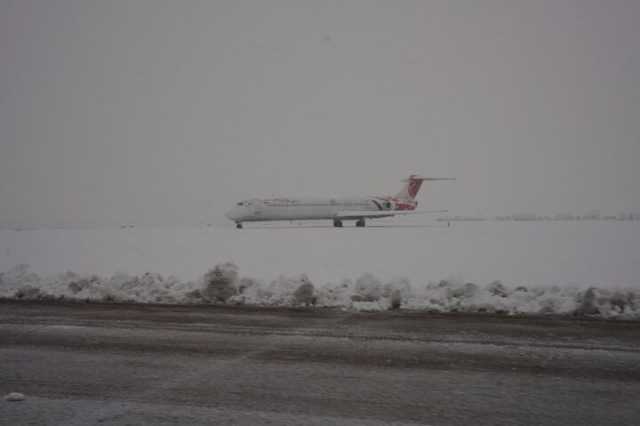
(114, 364)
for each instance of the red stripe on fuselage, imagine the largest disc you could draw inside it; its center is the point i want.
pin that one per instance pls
(402, 204)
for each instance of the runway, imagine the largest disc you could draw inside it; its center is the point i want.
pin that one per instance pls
(114, 364)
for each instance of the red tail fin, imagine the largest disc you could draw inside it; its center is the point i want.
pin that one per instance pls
(413, 185)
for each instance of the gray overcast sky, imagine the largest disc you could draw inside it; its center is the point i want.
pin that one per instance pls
(166, 112)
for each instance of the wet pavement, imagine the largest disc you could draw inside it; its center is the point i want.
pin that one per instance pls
(116, 364)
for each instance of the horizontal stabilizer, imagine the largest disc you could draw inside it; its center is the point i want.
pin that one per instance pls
(412, 186)
(414, 177)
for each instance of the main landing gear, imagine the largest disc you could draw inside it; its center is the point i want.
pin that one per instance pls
(360, 223)
(238, 225)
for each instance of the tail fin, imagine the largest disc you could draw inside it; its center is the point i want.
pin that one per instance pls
(412, 186)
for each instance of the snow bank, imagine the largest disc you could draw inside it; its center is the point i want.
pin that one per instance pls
(223, 284)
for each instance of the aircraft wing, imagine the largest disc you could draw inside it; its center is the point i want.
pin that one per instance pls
(376, 214)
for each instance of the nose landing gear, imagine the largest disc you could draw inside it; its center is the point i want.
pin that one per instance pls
(337, 223)
(239, 225)
(360, 223)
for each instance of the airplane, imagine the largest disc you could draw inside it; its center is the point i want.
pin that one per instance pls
(336, 209)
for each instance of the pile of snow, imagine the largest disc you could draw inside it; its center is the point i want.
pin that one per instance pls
(223, 284)
(14, 397)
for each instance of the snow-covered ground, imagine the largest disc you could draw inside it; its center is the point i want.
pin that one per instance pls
(515, 267)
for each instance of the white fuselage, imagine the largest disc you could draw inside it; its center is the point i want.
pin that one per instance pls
(336, 209)
(304, 208)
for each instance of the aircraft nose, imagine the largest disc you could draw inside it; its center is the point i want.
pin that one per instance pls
(236, 214)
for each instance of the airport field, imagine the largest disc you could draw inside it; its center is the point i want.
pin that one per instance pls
(496, 267)
(533, 254)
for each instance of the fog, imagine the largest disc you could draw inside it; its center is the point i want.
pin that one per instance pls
(164, 113)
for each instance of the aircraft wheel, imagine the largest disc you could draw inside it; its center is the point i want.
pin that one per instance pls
(337, 223)
(360, 223)
(239, 225)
